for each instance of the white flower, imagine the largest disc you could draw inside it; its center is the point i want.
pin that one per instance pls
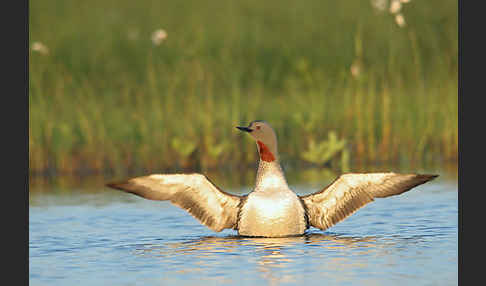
(158, 36)
(355, 69)
(395, 6)
(40, 48)
(400, 20)
(379, 5)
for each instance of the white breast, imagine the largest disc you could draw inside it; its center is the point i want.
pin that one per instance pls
(272, 214)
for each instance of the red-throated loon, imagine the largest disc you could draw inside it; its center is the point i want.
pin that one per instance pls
(272, 209)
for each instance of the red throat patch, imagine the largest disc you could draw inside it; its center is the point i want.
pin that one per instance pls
(265, 154)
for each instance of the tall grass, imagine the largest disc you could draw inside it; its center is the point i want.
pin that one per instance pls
(105, 97)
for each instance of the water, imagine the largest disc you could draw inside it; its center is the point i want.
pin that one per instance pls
(81, 235)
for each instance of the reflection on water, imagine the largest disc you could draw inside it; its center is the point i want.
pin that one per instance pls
(263, 245)
(270, 254)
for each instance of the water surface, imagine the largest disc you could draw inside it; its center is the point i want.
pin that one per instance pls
(91, 235)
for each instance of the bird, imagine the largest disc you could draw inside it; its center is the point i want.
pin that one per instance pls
(271, 209)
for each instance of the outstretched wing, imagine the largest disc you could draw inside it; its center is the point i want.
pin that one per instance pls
(350, 192)
(193, 192)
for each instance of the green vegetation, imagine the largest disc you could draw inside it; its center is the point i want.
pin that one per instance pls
(104, 97)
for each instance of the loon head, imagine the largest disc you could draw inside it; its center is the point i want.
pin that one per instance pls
(265, 138)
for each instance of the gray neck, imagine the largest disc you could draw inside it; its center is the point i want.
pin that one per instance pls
(270, 177)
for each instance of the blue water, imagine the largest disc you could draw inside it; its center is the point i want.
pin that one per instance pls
(99, 236)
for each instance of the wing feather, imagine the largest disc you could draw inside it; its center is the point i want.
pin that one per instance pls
(350, 192)
(192, 192)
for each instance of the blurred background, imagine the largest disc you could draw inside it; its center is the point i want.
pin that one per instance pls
(123, 87)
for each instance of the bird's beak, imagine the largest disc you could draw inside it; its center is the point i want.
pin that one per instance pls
(246, 129)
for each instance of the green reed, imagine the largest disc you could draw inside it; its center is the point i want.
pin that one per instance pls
(105, 97)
